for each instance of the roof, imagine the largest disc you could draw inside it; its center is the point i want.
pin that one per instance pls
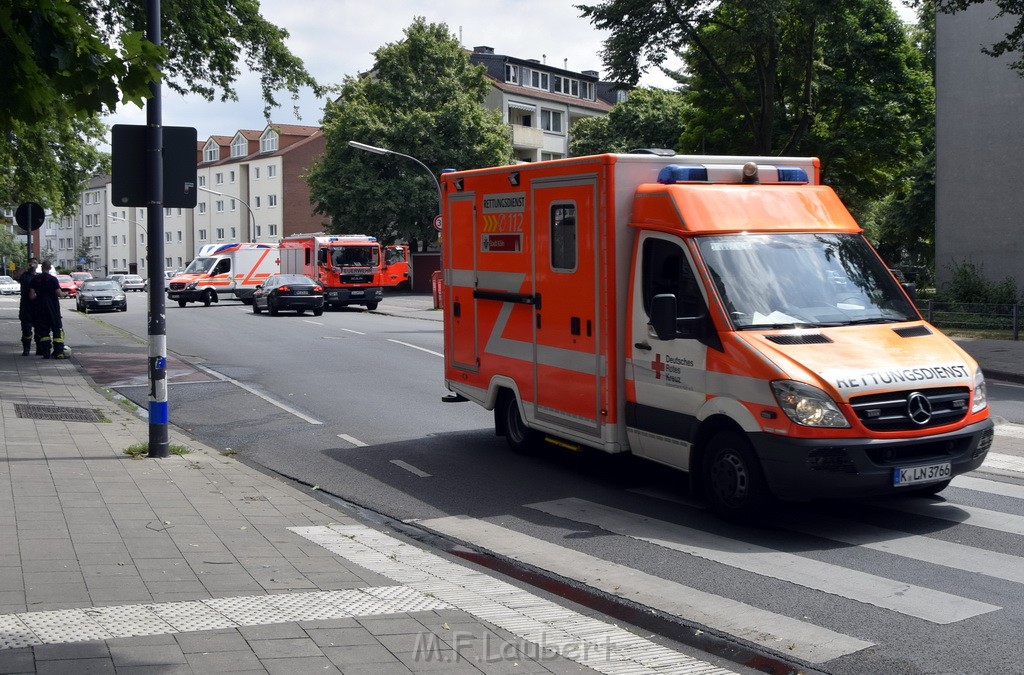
(528, 92)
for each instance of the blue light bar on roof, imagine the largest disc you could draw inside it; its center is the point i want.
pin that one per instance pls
(792, 174)
(682, 173)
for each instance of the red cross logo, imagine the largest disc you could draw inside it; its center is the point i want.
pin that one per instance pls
(658, 366)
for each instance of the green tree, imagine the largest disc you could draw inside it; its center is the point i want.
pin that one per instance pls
(11, 250)
(66, 62)
(85, 252)
(784, 77)
(649, 118)
(422, 98)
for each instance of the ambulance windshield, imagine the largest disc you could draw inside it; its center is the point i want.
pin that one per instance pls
(200, 266)
(793, 280)
(355, 256)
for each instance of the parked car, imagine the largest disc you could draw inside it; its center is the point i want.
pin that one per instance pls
(130, 282)
(68, 285)
(9, 286)
(81, 277)
(288, 291)
(98, 294)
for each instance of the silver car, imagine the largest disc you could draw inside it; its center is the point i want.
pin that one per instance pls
(9, 286)
(130, 282)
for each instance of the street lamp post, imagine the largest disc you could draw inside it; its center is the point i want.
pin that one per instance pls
(252, 216)
(384, 151)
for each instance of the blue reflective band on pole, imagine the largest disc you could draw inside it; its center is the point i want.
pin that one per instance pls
(158, 412)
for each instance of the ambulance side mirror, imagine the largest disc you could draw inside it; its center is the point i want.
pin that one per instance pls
(663, 316)
(321, 256)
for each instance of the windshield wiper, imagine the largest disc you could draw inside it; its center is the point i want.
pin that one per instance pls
(782, 326)
(874, 319)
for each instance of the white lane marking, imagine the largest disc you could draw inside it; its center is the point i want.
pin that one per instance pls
(995, 460)
(992, 487)
(1011, 430)
(601, 646)
(911, 546)
(406, 344)
(957, 513)
(106, 623)
(898, 596)
(410, 468)
(352, 439)
(349, 330)
(777, 632)
(241, 385)
(315, 323)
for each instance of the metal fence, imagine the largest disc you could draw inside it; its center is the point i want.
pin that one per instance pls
(1001, 320)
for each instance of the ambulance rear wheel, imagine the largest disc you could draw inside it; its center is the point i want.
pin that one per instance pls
(520, 437)
(734, 483)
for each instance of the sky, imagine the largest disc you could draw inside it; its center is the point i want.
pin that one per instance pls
(336, 38)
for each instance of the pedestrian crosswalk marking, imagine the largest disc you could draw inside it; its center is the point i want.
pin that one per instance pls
(991, 487)
(898, 596)
(797, 639)
(589, 641)
(957, 513)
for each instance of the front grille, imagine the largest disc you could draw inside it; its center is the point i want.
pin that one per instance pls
(177, 286)
(926, 450)
(893, 411)
(356, 278)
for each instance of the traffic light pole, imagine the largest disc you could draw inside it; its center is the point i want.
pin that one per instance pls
(158, 409)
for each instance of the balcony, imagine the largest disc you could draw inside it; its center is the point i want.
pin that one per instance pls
(526, 137)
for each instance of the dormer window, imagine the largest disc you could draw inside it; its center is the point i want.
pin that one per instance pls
(268, 141)
(511, 73)
(239, 146)
(211, 152)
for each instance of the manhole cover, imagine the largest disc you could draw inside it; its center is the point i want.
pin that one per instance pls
(57, 413)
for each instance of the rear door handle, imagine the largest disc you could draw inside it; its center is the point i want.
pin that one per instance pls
(643, 345)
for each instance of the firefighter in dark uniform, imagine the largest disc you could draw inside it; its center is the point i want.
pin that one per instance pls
(46, 294)
(25, 312)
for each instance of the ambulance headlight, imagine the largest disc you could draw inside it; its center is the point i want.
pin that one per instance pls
(807, 405)
(980, 395)
(191, 286)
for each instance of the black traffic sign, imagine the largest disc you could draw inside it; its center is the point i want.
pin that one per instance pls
(30, 216)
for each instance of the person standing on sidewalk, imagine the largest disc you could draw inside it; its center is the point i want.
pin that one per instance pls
(26, 312)
(46, 293)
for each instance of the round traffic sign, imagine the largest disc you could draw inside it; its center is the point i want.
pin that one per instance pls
(437, 222)
(30, 216)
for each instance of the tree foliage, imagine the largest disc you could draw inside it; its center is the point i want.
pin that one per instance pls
(840, 81)
(649, 118)
(422, 98)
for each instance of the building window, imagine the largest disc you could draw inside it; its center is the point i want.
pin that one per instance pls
(232, 205)
(563, 237)
(211, 153)
(218, 179)
(511, 73)
(271, 201)
(167, 236)
(167, 262)
(239, 146)
(202, 235)
(97, 241)
(268, 141)
(535, 79)
(551, 120)
(256, 173)
(202, 207)
(272, 171)
(202, 181)
(231, 176)
(124, 238)
(179, 235)
(272, 230)
(234, 233)
(257, 202)
(142, 238)
(220, 233)
(167, 211)
(259, 231)
(113, 240)
(220, 206)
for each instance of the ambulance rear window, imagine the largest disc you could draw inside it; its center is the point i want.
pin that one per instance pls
(563, 237)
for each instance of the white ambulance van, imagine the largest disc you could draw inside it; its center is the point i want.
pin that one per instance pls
(721, 315)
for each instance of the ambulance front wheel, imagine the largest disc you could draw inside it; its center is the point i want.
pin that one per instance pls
(734, 483)
(182, 303)
(208, 298)
(371, 306)
(520, 437)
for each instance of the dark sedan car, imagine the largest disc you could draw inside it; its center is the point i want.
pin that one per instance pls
(101, 294)
(288, 292)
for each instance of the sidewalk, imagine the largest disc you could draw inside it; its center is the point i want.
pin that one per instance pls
(198, 563)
